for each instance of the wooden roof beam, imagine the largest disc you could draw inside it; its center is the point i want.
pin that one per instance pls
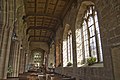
(37, 36)
(51, 16)
(40, 27)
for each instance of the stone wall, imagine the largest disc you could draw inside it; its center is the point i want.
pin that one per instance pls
(42, 45)
(0, 16)
(109, 22)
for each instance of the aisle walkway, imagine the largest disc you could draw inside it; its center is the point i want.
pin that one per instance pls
(41, 76)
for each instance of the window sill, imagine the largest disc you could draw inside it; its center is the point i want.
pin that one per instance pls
(93, 65)
(97, 65)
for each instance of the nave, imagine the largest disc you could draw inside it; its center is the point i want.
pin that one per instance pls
(37, 75)
(79, 39)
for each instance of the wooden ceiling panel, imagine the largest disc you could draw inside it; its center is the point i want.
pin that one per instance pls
(52, 1)
(51, 7)
(42, 5)
(39, 20)
(30, 5)
(62, 2)
(40, 10)
(37, 38)
(31, 23)
(48, 33)
(42, 38)
(30, 31)
(37, 32)
(39, 17)
(41, 1)
(30, 17)
(30, 1)
(47, 20)
(49, 12)
(43, 33)
(39, 24)
(43, 17)
(31, 39)
(30, 10)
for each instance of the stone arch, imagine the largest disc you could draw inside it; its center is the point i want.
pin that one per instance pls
(80, 13)
(38, 50)
(87, 18)
(66, 29)
(67, 46)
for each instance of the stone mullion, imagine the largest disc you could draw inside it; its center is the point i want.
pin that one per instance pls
(83, 47)
(88, 39)
(67, 47)
(96, 39)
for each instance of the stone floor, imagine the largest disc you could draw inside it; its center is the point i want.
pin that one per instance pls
(40, 76)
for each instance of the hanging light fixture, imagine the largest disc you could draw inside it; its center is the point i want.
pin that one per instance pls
(14, 36)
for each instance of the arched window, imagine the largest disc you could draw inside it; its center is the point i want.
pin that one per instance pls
(67, 49)
(88, 42)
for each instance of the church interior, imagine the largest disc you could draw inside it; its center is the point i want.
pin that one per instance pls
(59, 39)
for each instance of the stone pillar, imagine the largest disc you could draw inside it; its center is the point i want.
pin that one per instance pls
(47, 59)
(11, 57)
(3, 55)
(18, 62)
(16, 59)
(4, 38)
(61, 55)
(7, 53)
(22, 61)
(26, 62)
(74, 48)
(57, 54)
(30, 58)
